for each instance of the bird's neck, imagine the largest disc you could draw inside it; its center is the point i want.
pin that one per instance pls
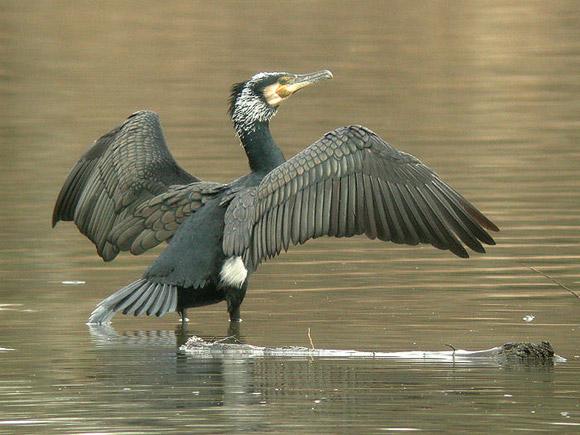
(261, 149)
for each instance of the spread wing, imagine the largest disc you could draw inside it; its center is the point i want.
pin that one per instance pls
(351, 182)
(127, 192)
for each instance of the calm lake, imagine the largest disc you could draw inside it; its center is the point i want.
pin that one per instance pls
(486, 93)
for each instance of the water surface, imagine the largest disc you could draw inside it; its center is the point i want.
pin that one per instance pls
(484, 92)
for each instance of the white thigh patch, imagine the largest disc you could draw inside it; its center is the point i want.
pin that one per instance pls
(233, 273)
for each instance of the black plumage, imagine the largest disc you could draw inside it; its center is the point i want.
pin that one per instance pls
(128, 194)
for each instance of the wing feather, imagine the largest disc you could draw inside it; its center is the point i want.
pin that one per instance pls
(352, 182)
(127, 192)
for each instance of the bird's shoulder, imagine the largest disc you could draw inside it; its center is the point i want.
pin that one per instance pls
(358, 137)
(139, 124)
(340, 150)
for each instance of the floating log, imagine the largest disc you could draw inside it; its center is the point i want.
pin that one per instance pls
(524, 353)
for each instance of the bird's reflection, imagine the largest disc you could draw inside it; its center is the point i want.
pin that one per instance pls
(106, 335)
(137, 363)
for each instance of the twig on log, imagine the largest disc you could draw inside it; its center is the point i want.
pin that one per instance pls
(451, 346)
(310, 338)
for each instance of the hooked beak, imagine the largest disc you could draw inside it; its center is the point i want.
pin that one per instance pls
(300, 81)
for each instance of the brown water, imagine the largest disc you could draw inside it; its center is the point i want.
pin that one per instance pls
(486, 92)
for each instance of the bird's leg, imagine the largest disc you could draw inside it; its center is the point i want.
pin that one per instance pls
(183, 315)
(234, 331)
(181, 334)
(234, 298)
(234, 303)
(234, 313)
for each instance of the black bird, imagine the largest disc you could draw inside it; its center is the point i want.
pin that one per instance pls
(127, 193)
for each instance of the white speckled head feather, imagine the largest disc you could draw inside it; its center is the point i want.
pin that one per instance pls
(257, 100)
(248, 107)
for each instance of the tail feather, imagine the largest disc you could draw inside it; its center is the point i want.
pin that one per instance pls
(146, 306)
(146, 299)
(131, 307)
(139, 297)
(128, 302)
(155, 306)
(116, 298)
(170, 303)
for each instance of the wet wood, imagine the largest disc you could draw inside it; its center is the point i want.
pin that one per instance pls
(524, 353)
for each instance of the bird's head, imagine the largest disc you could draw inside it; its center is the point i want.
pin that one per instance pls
(258, 99)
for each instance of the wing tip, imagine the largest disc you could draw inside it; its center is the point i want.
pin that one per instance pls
(479, 216)
(486, 223)
(460, 251)
(58, 214)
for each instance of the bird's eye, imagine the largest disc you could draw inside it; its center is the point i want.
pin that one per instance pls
(284, 80)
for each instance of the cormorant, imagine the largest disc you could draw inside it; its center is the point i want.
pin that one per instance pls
(127, 193)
